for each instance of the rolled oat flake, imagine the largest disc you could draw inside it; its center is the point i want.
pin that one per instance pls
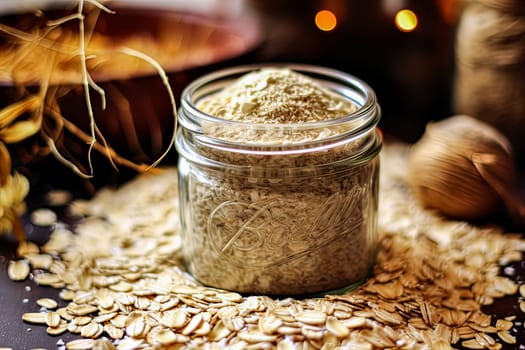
(278, 176)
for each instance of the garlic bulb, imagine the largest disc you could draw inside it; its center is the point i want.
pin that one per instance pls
(464, 168)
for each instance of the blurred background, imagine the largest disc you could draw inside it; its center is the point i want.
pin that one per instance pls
(404, 49)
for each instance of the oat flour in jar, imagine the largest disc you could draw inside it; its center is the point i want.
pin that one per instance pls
(278, 180)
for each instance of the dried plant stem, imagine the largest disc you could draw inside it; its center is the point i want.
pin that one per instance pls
(13, 111)
(40, 39)
(85, 82)
(162, 74)
(49, 105)
(62, 20)
(103, 149)
(112, 154)
(88, 83)
(97, 4)
(52, 146)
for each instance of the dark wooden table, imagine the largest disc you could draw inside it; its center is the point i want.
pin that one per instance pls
(17, 298)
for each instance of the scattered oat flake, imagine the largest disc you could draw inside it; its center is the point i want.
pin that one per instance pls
(507, 337)
(336, 327)
(47, 279)
(522, 306)
(27, 248)
(43, 217)
(80, 344)
(109, 289)
(311, 317)
(40, 261)
(48, 303)
(130, 344)
(522, 290)
(34, 317)
(18, 270)
(53, 319)
(60, 329)
(58, 197)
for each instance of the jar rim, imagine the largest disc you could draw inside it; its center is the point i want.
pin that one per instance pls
(374, 145)
(363, 111)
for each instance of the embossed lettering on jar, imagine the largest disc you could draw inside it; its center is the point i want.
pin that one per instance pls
(278, 176)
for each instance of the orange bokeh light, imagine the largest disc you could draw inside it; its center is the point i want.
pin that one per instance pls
(406, 20)
(325, 20)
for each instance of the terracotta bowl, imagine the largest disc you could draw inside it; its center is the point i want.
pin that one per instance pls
(138, 119)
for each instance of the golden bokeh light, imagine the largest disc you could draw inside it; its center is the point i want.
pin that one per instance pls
(325, 20)
(406, 20)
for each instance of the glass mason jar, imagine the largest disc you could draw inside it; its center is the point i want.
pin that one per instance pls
(264, 216)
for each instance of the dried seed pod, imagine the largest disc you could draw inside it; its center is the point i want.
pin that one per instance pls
(464, 168)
